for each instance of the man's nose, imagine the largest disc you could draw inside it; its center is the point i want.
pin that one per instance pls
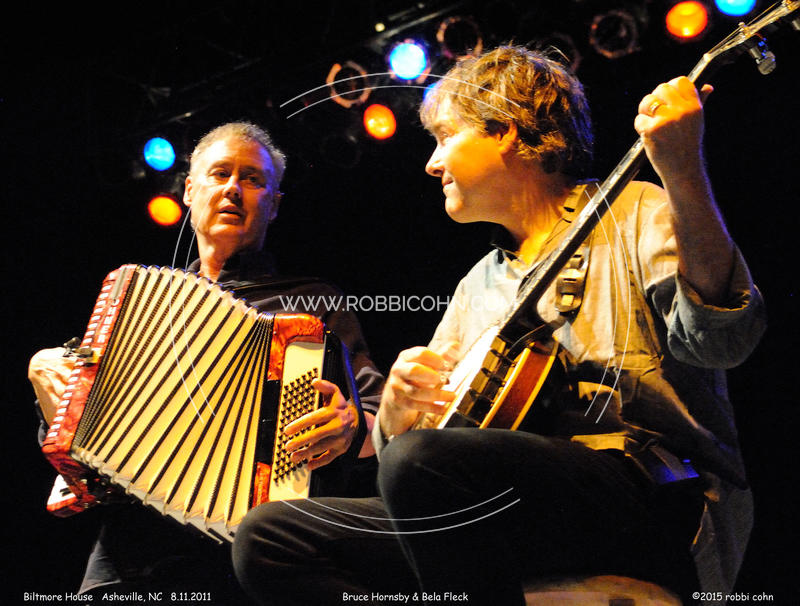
(434, 165)
(233, 189)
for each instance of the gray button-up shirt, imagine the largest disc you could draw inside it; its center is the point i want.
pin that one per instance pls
(646, 357)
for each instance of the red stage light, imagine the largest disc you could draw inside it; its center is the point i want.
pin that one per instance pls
(379, 121)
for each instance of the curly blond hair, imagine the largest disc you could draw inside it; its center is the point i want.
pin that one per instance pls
(540, 96)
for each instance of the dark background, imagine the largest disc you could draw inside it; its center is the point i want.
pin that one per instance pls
(83, 88)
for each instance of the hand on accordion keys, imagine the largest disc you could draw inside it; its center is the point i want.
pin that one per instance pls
(48, 372)
(321, 436)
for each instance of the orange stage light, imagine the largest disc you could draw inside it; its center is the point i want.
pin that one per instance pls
(379, 121)
(687, 19)
(164, 210)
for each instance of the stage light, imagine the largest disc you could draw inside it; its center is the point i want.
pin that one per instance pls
(164, 210)
(159, 153)
(614, 34)
(459, 37)
(408, 60)
(348, 84)
(379, 121)
(735, 8)
(687, 20)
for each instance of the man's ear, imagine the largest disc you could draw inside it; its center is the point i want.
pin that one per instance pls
(508, 139)
(276, 203)
(187, 191)
(505, 133)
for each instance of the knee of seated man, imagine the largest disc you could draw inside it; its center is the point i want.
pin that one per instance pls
(243, 549)
(409, 448)
(403, 459)
(254, 543)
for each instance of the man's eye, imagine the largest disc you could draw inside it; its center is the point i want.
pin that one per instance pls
(255, 181)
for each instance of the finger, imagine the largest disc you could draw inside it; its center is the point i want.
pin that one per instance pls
(438, 407)
(642, 124)
(50, 383)
(301, 443)
(50, 361)
(308, 420)
(321, 430)
(649, 105)
(333, 444)
(413, 375)
(435, 404)
(424, 356)
(414, 391)
(705, 93)
(326, 388)
(423, 377)
(320, 445)
(63, 372)
(686, 91)
(321, 460)
(449, 352)
(325, 457)
(322, 424)
(422, 367)
(49, 354)
(300, 448)
(684, 87)
(334, 406)
(673, 92)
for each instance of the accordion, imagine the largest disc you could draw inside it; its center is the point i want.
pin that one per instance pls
(180, 397)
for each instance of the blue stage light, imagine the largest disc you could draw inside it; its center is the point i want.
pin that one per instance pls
(159, 153)
(735, 8)
(408, 60)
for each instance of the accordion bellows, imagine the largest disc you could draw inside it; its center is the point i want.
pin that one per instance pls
(181, 398)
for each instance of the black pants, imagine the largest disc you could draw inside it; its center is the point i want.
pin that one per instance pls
(139, 550)
(476, 512)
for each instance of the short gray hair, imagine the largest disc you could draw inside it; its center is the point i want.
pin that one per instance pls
(248, 132)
